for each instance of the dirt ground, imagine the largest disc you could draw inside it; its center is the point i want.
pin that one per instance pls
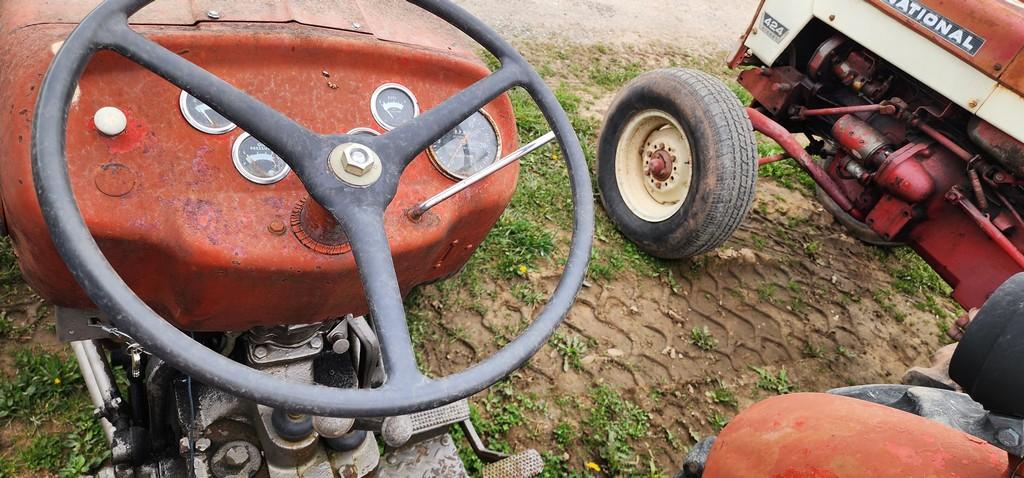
(699, 24)
(768, 303)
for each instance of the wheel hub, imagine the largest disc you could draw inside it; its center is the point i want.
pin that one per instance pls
(660, 164)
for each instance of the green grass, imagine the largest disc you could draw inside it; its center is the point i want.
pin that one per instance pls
(564, 434)
(717, 421)
(614, 73)
(610, 427)
(913, 276)
(47, 388)
(812, 350)
(572, 349)
(777, 383)
(786, 172)
(723, 396)
(703, 339)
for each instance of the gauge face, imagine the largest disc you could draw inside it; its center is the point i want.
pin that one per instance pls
(202, 117)
(393, 105)
(469, 148)
(256, 162)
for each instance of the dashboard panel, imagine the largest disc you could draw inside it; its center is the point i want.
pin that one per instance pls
(199, 220)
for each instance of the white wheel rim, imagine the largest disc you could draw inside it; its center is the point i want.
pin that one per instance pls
(651, 196)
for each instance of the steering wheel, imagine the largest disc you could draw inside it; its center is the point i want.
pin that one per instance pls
(358, 203)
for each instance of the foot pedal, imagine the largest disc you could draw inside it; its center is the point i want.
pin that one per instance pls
(439, 418)
(527, 464)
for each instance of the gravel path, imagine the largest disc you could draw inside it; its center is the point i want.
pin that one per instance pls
(709, 25)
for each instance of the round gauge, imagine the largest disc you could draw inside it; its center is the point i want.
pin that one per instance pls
(256, 162)
(470, 147)
(364, 132)
(393, 105)
(202, 117)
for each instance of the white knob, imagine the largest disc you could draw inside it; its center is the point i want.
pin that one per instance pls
(110, 121)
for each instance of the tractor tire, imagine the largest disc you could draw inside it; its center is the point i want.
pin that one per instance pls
(677, 163)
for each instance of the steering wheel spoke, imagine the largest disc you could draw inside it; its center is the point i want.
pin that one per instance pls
(290, 140)
(409, 140)
(372, 253)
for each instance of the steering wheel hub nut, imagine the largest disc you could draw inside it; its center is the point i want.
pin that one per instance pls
(356, 164)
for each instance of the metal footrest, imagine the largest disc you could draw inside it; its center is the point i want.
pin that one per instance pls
(434, 457)
(437, 418)
(527, 464)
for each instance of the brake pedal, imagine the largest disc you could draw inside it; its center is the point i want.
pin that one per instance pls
(439, 418)
(527, 464)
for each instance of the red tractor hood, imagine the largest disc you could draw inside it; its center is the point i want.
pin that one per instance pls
(389, 20)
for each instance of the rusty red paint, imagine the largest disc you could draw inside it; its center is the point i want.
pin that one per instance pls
(890, 216)
(781, 135)
(776, 89)
(857, 136)
(903, 175)
(943, 140)
(660, 167)
(843, 110)
(115, 180)
(190, 216)
(317, 229)
(986, 225)
(819, 435)
(772, 159)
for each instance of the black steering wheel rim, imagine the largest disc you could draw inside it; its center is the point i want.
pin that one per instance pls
(405, 391)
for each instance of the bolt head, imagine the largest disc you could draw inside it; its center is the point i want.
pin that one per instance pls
(358, 160)
(260, 352)
(236, 456)
(213, 15)
(203, 444)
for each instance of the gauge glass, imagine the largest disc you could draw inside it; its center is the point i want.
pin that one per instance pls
(394, 105)
(202, 117)
(256, 162)
(470, 147)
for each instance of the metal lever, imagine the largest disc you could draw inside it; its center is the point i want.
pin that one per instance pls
(443, 196)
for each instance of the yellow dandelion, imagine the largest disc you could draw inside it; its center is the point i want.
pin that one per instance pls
(56, 380)
(593, 467)
(522, 269)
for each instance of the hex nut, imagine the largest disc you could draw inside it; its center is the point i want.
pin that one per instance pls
(355, 164)
(357, 161)
(237, 455)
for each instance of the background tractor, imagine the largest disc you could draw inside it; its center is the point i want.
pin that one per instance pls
(908, 121)
(911, 108)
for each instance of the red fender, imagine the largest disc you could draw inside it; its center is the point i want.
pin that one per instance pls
(828, 436)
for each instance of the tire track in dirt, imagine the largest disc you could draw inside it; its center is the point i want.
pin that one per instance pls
(765, 299)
